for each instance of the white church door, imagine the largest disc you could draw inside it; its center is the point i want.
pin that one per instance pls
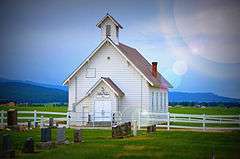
(102, 110)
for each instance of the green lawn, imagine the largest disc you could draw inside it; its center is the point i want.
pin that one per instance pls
(162, 144)
(47, 108)
(209, 110)
(179, 110)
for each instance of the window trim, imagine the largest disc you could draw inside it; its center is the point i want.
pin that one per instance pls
(86, 75)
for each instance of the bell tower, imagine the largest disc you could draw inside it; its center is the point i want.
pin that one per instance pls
(109, 28)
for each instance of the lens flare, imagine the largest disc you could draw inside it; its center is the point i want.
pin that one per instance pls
(180, 68)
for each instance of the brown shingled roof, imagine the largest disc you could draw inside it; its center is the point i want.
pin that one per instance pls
(113, 86)
(143, 65)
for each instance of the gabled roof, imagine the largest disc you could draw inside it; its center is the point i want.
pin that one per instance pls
(143, 65)
(110, 84)
(111, 18)
(135, 59)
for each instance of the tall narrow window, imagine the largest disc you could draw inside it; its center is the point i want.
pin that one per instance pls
(157, 101)
(108, 30)
(161, 96)
(164, 100)
(117, 32)
(152, 101)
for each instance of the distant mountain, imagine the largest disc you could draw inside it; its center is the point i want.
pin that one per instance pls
(199, 97)
(32, 92)
(61, 87)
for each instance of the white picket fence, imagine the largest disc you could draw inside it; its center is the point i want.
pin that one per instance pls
(37, 117)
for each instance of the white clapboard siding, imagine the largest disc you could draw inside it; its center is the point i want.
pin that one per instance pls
(122, 74)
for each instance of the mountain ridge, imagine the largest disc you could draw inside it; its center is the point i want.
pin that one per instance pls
(33, 92)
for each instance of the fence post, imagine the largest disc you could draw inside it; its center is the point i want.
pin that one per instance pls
(68, 120)
(204, 120)
(2, 117)
(42, 122)
(139, 120)
(168, 121)
(35, 118)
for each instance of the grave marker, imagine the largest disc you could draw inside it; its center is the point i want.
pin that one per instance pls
(51, 122)
(78, 136)
(7, 150)
(151, 128)
(28, 146)
(119, 131)
(61, 135)
(45, 134)
(11, 117)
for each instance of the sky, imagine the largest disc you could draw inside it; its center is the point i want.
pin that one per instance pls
(196, 43)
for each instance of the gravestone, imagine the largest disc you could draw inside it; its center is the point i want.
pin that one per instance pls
(28, 146)
(11, 117)
(151, 128)
(7, 150)
(29, 124)
(61, 135)
(45, 134)
(7, 145)
(78, 136)
(122, 130)
(51, 122)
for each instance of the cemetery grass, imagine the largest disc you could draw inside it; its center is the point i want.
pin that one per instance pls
(178, 110)
(162, 144)
(208, 110)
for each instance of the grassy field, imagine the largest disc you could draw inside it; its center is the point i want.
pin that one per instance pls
(179, 110)
(209, 110)
(47, 108)
(162, 144)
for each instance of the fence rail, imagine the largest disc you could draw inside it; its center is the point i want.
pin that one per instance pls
(173, 120)
(165, 120)
(37, 117)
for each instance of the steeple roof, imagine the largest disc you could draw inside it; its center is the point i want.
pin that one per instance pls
(111, 18)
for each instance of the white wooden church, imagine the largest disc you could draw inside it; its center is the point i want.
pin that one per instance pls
(115, 79)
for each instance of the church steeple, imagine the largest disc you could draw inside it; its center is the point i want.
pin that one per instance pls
(109, 28)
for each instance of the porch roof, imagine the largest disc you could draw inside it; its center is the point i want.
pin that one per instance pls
(110, 84)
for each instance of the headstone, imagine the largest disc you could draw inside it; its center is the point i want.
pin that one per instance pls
(50, 122)
(28, 146)
(45, 134)
(7, 150)
(29, 124)
(61, 135)
(11, 117)
(122, 130)
(7, 145)
(151, 128)
(78, 136)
